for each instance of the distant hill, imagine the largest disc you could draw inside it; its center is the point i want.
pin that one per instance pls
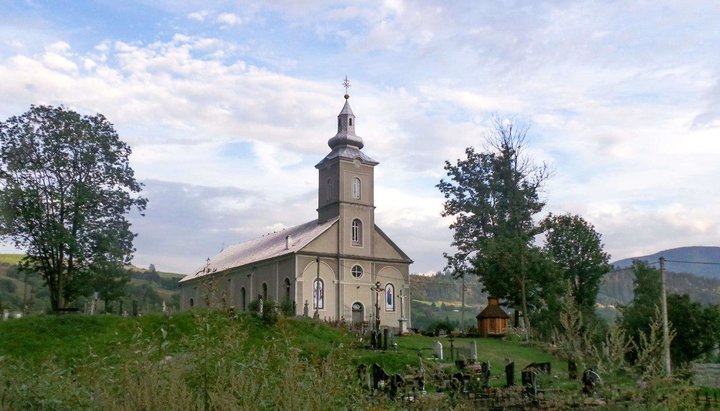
(698, 254)
(617, 287)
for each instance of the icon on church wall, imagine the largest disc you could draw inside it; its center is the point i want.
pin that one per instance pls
(389, 297)
(318, 295)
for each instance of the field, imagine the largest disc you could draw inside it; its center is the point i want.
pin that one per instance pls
(10, 258)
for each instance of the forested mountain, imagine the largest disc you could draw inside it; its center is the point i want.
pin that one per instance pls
(693, 258)
(443, 288)
(617, 287)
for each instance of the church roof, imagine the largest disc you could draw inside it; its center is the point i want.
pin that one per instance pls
(263, 248)
(348, 153)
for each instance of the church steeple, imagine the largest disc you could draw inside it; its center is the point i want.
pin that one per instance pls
(345, 186)
(346, 128)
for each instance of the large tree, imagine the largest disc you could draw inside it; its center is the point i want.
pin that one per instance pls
(66, 187)
(576, 250)
(492, 196)
(696, 327)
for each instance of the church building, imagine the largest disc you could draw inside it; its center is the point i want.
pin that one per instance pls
(341, 266)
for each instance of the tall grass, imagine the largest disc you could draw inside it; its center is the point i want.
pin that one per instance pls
(212, 367)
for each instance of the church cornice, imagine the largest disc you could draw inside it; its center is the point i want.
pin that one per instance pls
(353, 257)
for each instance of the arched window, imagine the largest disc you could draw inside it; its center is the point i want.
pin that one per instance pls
(356, 188)
(264, 291)
(243, 302)
(328, 190)
(318, 294)
(357, 271)
(287, 289)
(389, 297)
(358, 312)
(350, 121)
(356, 232)
(192, 303)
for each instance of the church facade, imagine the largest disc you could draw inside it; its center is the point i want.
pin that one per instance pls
(341, 266)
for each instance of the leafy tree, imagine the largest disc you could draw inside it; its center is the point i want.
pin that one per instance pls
(109, 280)
(696, 328)
(493, 196)
(646, 301)
(65, 189)
(576, 249)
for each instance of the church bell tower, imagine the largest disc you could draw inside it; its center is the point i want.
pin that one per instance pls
(346, 185)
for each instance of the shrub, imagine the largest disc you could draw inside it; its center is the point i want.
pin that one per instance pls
(7, 286)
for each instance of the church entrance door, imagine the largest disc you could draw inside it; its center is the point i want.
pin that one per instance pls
(358, 313)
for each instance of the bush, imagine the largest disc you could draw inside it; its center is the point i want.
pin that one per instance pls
(8, 286)
(445, 325)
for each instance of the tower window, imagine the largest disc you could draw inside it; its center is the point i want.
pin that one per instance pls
(356, 188)
(357, 271)
(356, 232)
(350, 122)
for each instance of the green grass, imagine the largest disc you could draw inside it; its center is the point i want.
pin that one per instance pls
(68, 338)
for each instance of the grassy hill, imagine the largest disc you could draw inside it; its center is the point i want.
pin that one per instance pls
(217, 360)
(193, 357)
(150, 289)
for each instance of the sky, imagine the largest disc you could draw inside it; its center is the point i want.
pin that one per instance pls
(228, 106)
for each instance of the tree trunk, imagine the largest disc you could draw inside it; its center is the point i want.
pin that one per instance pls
(526, 321)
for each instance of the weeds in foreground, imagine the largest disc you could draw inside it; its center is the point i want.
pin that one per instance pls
(217, 370)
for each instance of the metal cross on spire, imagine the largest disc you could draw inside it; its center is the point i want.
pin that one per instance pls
(346, 84)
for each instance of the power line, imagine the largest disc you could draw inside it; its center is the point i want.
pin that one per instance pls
(691, 262)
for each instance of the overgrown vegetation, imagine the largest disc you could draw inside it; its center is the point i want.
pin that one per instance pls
(198, 360)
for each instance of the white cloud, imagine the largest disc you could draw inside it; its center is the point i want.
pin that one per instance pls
(623, 103)
(230, 19)
(198, 15)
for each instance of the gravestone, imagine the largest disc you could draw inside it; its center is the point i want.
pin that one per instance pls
(473, 353)
(590, 379)
(6, 314)
(572, 369)
(305, 309)
(379, 377)
(485, 370)
(260, 305)
(135, 308)
(529, 378)
(438, 350)
(386, 338)
(420, 379)
(509, 374)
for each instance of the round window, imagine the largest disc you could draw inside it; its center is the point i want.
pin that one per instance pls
(357, 271)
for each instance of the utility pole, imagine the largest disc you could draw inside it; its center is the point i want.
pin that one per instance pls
(663, 305)
(462, 310)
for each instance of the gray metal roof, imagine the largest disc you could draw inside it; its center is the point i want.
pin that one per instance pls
(263, 248)
(348, 153)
